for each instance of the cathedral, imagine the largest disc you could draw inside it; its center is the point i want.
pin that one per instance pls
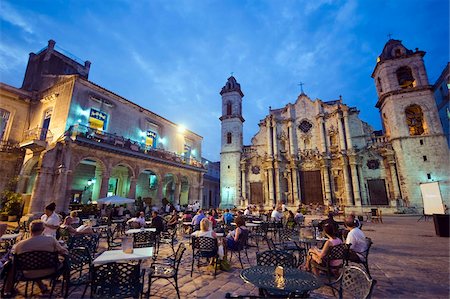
(321, 152)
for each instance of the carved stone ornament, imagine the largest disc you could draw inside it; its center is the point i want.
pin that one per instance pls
(255, 169)
(305, 126)
(373, 164)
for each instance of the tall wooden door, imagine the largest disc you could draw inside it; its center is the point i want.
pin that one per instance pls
(377, 192)
(256, 193)
(311, 187)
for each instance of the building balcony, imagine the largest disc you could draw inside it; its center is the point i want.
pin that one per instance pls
(36, 139)
(9, 147)
(113, 142)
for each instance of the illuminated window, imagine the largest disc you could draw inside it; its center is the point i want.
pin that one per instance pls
(229, 139)
(414, 120)
(4, 117)
(229, 108)
(98, 119)
(150, 141)
(405, 77)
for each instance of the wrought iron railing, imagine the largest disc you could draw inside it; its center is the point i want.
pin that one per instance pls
(129, 144)
(37, 134)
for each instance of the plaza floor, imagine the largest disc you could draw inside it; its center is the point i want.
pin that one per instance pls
(407, 259)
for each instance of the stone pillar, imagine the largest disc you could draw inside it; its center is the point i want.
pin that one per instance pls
(364, 199)
(347, 131)
(60, 190)
(275, 139)
(97, 185)
(341, 134)
(243, 183)
(266, 187)
(159, 193)
(291, 131)
(323, 142)
(268, 137)
(347, 182)
(394, 179)
(176, 194)
(277, 181)
(295, 185)
(132, 191)
(200, 191)
(39, 197)
(67, 193)
(270, 177)
(355, 183)
(22, 183)
(326, 183)
(104, 184)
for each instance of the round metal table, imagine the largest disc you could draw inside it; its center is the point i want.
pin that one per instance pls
(296, 281)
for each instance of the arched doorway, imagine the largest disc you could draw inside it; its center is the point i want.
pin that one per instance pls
(86, 181)
(169, 185)
(119, 181)
(184, 191)
(147, 186)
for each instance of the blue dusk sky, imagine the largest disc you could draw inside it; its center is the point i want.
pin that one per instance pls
(173, 57)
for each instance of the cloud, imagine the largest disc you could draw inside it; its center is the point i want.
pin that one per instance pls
(10, 15)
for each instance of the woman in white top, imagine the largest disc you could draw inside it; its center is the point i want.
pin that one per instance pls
(205, 230)
(51, 220)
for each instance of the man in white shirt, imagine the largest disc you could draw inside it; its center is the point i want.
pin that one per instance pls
(51, 220)
(138, 221)
(277, 214)
(356, 238)
(247, 211)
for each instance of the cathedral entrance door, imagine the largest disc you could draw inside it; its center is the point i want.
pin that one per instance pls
(311, 187)
(377, 192)
(256, 194)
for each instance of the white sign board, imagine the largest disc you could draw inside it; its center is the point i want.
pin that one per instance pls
(432, 200)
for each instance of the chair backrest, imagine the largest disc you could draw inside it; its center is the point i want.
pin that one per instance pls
(204, 245)
(89, 241)
(355, 283)
(287, 234)
(36, 260)
(145, 239)
(337, 252)
(374, 212)
(270, 244)
(179, 255)
(275, 258)
(243, 239)
(79, 257)
(116, 280)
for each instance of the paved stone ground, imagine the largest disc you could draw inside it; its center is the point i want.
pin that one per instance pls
(407, 260)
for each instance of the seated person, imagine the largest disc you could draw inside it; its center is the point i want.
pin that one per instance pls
(330, 221)
(37, 242)
(211, 218)
(233, 236)
(299, 218)
(277, 214)
(197, 218)
(173, 221)
(205, 230)
(157, 222)
(138, 221)
(316, 255)
(356, 238)
(80, 230)
(75, 220)
(227, 217)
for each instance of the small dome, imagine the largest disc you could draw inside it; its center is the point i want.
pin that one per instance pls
(231, 85)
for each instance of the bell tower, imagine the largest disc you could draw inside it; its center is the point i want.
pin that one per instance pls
(411, 122)
(231, 143)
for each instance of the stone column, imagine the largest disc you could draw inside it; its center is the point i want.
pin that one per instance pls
(355, 183)
(291, 131)
(60, 190)
(39, 197)
(22, 183)
(268, 137)
(176, 194)
(159, 193)
(326, 178)
(132, 192)
(275, 139)
(243, 183)
(266, 187)
(97, 185)
(341, 134)
(323, 142)
(295, 185)
(394, 179)
(271, 194)
(277, 181)
(104, 184)
(347, 130)
(347, 181)
(364, 199)
(200, 191)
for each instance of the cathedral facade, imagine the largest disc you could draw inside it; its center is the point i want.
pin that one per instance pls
(321, 152)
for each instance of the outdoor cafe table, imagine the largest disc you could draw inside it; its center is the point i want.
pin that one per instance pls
(308, 242)
(296, 280)
(111, 256)
(9, 237)
(138, 230)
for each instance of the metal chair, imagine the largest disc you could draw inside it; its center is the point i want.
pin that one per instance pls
(376, 216)
(286, 243)
(89, 241)
(146, 239)
(338, 252)
(204, 247)
(241, 246)
(260, 234)
(166, 271)
(110, 240)
(361, 257)
(169, 237)
(354, 283)
(77, 269)
(117, 280)
(275, 258)
(27, 264)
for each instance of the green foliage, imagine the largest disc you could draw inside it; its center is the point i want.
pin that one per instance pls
(12, 203)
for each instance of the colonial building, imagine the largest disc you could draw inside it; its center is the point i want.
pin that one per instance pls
(71, 140)
(211, 184)
(315, 151)
(442, 100)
